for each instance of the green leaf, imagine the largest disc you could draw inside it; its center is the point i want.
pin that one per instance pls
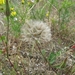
(0, 40)
(58, 53)
(3, 37)
(0, 51)
(73, 69)
(52, 57)
(63, 64)
(43, 52)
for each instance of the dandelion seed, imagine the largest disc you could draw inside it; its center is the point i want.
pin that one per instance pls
(15, 19)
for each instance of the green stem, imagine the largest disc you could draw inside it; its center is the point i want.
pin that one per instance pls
(7, 36)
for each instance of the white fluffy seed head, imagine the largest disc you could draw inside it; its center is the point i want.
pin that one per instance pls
(36, 30)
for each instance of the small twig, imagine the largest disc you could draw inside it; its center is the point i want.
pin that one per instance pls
(13, 66)
(69, 70)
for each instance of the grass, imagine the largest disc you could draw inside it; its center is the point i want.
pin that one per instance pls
(35, 58)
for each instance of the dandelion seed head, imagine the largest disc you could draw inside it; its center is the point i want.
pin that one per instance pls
(35, 30)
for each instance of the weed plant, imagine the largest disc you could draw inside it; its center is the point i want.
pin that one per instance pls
(58, 14)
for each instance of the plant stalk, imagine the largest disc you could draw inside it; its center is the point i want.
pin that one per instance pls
(7, 35)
